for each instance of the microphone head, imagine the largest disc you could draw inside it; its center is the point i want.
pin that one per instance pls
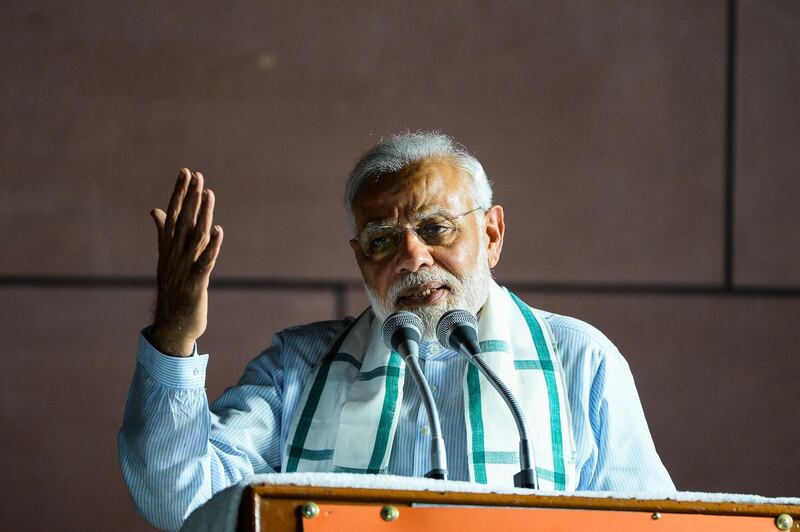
(401, 320)
(452, 320)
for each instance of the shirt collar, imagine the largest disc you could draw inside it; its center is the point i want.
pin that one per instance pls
(433, 350)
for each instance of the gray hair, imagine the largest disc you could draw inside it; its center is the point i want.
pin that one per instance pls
(395, 153)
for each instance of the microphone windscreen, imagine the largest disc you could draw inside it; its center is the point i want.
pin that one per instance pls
(397, 321)
(452, 320)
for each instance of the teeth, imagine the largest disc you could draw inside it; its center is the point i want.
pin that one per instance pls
(424, 293)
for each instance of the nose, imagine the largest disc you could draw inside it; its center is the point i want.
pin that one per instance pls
(412, 253)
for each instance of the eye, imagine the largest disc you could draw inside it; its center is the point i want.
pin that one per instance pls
(380, 243)
(434, 230)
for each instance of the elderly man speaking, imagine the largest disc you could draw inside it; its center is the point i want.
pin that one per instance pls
(331, 396)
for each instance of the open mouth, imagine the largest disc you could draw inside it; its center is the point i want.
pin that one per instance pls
(421, 295)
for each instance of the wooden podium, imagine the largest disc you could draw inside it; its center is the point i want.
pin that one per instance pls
(279, 508)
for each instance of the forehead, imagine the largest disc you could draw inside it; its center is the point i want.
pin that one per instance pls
(425, 185)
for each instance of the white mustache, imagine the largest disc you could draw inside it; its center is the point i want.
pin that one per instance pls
(421, 277)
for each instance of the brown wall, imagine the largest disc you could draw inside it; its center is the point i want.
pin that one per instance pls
(605, 125)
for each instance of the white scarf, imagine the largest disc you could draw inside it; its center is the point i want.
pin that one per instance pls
(347, 416)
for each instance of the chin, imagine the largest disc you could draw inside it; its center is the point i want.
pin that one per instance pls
(430, 316)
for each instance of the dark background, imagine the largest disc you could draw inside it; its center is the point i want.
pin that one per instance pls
(645, 152)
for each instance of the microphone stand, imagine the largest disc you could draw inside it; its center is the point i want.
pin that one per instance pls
(438, 453)
(458, 329)
(402, 333)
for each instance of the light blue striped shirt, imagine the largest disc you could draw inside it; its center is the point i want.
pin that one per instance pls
(176, 451)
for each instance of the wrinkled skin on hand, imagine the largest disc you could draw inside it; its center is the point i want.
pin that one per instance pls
(188, 246)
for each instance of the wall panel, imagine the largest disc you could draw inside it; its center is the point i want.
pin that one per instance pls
(767, 222)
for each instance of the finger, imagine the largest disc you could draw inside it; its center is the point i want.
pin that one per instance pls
(208, 258)
(202, 228)
(188, 214)
(176, 201)
(159, 218)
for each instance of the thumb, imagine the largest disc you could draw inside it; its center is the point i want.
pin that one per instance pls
(159, 217)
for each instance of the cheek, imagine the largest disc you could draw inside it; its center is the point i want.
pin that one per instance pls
(456, 259)
(374, 276)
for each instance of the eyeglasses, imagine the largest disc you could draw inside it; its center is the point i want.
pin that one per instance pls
(436, 230)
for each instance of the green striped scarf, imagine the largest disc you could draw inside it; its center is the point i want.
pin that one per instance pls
(347, 416)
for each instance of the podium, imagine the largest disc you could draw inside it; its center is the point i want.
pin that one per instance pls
(277, 508)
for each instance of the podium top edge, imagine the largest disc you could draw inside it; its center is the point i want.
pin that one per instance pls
(265, 491)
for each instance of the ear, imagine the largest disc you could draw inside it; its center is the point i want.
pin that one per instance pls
(495, 228)
(356, 250)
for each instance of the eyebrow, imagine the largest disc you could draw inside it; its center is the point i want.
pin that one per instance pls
(385, 223)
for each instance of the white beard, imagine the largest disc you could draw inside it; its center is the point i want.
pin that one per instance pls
(469, 293)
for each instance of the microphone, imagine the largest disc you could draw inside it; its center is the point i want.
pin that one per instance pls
(458, 330)
(402, 332)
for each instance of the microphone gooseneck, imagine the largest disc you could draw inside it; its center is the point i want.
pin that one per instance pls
(402, 332)
(458, 330)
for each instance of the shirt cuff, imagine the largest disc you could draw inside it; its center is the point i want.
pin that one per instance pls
(175, 372)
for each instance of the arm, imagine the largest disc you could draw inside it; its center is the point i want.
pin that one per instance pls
(175, 453)
(165, 451)
(626, 456)
(615, 451)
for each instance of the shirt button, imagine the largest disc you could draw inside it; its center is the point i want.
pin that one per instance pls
(434, 349)
(424, 431)
(434, 388)
(196, 372)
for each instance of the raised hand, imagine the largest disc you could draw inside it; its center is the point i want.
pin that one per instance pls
(188, 246)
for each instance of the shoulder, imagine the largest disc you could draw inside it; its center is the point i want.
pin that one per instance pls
(312, 340)
(569, 328)
(315, 331)
(579, 343)
(297, 349)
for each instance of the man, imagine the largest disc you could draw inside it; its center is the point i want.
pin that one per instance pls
(330, 397)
